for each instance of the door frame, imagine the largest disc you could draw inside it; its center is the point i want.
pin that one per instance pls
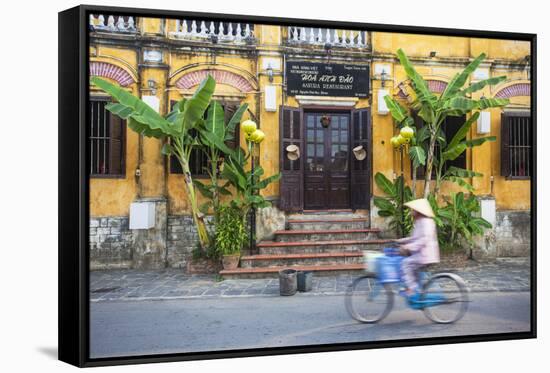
(327, 109)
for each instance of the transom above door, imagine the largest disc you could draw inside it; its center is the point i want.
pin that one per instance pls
(327, 159)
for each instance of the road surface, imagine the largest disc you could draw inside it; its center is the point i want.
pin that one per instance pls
(124, 328)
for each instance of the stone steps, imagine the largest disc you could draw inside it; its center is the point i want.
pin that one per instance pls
(323, 235)
(276, 260)
(330, 223)
(325, 242)
(273, 272)
(304, 247)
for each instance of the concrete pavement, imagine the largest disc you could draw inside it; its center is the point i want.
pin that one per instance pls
(503, 275)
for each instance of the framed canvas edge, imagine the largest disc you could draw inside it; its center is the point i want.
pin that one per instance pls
(73, 205)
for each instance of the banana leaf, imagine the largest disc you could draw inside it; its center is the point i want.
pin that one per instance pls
(214, 120)
(482, 84)
(460, 79)
(417, 155)
(195, 107)
(419, 85)
(463, 131)
(452, 153)
(478, 141)
(234, 122)
(142, 119)
(385, 184)
(462, 172)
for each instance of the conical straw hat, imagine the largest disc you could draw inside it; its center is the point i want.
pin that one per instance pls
(422, 206)
(360, 152)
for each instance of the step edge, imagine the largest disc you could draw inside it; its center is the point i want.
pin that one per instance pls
(340, 267)
(343, 254)
(322, 243)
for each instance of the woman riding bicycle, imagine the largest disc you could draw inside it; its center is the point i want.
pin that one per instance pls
(422, 245)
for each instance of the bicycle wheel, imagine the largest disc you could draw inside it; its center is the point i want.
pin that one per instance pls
(445, 297)
(367, 300)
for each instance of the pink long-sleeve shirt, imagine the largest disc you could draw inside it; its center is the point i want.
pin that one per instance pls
(423, 241)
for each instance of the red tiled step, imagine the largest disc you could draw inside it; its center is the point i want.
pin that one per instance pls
(320, 243)
(326, 211)
(303, 221)
(315, 268)
(302, 256)
(327, 231)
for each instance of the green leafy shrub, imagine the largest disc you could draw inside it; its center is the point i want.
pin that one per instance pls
(230, 231)
(390, 206)
(458, 220)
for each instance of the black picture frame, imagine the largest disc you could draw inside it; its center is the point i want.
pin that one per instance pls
(74, 194)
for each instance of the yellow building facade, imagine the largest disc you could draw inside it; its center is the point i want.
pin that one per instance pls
(164, 60)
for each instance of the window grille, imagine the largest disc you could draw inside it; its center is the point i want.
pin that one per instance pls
(106, 141)
(516, 145)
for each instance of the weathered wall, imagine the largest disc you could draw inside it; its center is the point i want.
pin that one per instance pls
(510, 237)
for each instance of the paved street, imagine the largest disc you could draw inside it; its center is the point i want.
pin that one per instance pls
(121, 328)
(132, 285)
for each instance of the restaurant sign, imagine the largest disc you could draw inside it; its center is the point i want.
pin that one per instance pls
(326, 79)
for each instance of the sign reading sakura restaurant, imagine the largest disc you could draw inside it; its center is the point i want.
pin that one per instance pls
(327, 79)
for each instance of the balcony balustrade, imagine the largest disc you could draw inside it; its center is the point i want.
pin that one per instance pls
(322, 37)
(213, 31)
(122, 24)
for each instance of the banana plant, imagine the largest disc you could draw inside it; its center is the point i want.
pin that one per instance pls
(390, 205)
(174, 129)
(213, 135)
(247, 182)
(454, 101)
(460, 219)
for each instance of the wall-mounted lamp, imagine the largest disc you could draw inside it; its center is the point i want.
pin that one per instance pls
(433, 54)
(152, 85)
(384, 77)
(269, 72)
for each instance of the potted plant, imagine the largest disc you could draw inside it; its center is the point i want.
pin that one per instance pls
(230, 236)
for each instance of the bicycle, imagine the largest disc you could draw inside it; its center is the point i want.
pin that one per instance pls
(444, 297)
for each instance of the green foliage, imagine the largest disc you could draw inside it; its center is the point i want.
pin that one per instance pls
(246, 182)
(213, 133)
(452, 102)
(175, 127)
(230, 231)
(458, 220)
(390, 205)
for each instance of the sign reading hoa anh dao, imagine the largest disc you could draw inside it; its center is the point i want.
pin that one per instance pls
(326, 79)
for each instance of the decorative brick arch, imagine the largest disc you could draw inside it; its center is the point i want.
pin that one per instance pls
(194, 78)
(436, 86)
(108, 70)
(518, 89)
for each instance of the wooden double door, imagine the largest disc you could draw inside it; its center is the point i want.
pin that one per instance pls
(327, 159)
(326, 175)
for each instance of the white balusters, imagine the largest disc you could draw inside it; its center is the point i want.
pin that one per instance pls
(113, 24)
(120, 23)
(238, 33)
(228, 32)
(202, 32)
(320, 36)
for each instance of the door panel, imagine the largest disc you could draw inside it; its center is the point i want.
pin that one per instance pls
(361, 170)
(291, 185)
(326, 175)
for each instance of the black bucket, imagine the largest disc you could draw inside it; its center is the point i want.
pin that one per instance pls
(305, 281)
(288, 282)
